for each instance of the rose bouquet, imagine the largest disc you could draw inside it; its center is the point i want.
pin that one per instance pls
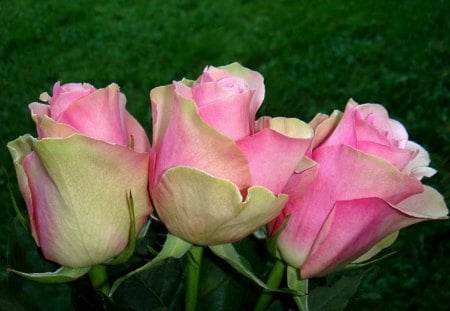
(313, 198)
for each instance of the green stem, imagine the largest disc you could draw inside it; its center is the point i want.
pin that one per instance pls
(194, 262)
(99, 279)
(274, 280)
(302, 301)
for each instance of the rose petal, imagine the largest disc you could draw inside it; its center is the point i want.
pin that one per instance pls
(100, 115)
(394, 155)
(206, 210)
(418, 166)
(19, 149)
(65, 95)
(428, 204)
(80, 203)
(191, 142)
(272, 157)
(254, 80)
(344, 133)
(225, 111)
(135, 130)
(349, 231)
(344, 174)
(323, 126)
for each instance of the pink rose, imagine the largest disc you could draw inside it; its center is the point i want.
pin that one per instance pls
(364, 185)
(216, 174)
(76, 177)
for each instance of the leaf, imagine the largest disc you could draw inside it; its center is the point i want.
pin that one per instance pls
(337, 296)
(23, 221)
(62, 275)
(160, 288)
(173, 247)
(239, 263)
(220, 290)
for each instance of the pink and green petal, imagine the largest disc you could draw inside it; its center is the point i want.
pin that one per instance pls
(272, 157)
(323, 126)
(99, 115)
(191, 142)
(81, 205)
(374, 250)
(20, 149)
(418, 166)
(47, 127)
(396, 156)
(162, 101)
(206, 210)
(135, 130)
(345, 172)
(259, 208)
(350, 230)
(228, 114)
(344, 133)
(427, 204)
(343, 175)
(378, 116)
(366, 131)
(254, 80)
(296, 188)
(212, 73)
(64, 96)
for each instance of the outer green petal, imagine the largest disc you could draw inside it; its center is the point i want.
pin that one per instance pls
(207, 210)
(82, 214)
(19, 149)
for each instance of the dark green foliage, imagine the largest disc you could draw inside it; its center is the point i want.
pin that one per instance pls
(314, 55)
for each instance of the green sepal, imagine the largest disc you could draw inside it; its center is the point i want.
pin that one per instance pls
(62, 275)
(228, 253)
(23, 221)
(272, 246)
(352, 266)
(129, 250)
(299, 286)
(173, 247)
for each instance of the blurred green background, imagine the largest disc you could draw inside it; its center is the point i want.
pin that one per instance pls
(314, 56)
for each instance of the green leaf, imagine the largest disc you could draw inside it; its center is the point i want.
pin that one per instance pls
(62, 275)
(298, 285)
(160, 288)
(336, 296)
(220, 290)
(239, 263)
(128, 251)
(23, 221)
(173, 247)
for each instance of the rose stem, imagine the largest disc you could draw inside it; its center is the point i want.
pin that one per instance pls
(194, 261)
(99, 279)
(274, 280)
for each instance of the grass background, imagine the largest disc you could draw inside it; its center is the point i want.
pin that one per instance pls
(314, 55)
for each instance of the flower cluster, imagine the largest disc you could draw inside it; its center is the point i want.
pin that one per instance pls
(332, 191)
